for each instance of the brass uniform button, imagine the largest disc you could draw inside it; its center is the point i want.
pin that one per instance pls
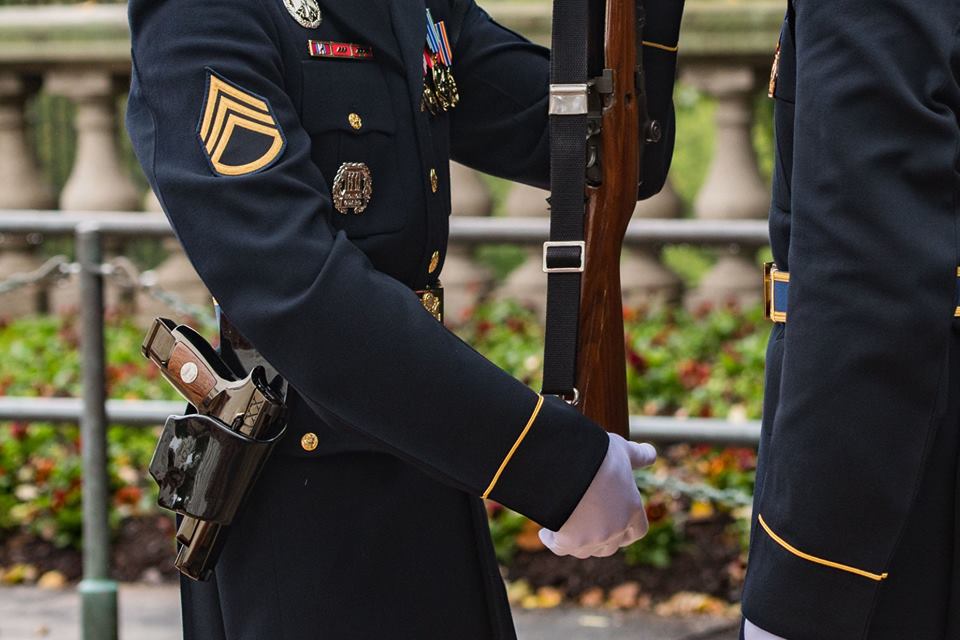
(309, 441)
(434, 181)
(355, 121)
(434, 262)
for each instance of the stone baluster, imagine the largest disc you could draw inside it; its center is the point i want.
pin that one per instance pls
(97, 181)
(21, 187)
(644, 280)
(465, 281)
(175, 275)
(734, 188)
(527, 284)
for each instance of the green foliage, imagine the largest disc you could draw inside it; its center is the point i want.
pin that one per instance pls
(708, 363)
(657, 548)
(505, 526)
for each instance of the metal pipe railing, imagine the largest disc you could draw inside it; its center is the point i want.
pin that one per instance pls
(462, 229)
(152, 413)
(98, 592)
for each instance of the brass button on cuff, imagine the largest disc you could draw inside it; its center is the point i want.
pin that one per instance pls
(355, 121)
(309, 441)
(434, 262)
(434, 181)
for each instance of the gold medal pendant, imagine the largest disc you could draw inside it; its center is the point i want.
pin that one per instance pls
(440, 92)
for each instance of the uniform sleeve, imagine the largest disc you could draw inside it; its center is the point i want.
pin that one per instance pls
(355, 343)
(505, 81)
(872, 262)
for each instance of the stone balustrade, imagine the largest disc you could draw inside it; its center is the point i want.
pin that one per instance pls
(81, 53)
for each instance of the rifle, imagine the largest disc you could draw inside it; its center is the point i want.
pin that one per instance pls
(611, 122)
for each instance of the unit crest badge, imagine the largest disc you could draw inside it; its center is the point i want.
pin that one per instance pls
(352, 188)
(305, 12)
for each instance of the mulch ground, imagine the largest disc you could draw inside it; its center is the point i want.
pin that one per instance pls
(708, 563)
(142, 550)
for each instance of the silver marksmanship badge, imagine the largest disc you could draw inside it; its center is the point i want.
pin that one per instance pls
(305, 12)
(352, 188)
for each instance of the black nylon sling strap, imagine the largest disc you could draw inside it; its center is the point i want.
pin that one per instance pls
(564, 255)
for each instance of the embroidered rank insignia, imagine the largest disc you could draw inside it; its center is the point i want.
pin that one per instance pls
(305, 12)
(352, 188)
(328, 49)
(238, 131)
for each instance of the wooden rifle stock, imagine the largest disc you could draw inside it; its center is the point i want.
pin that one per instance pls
(601, 362)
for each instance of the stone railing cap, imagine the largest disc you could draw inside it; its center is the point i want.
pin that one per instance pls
(86, 33)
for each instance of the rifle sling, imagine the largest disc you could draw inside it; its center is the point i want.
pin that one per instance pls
(568, 148)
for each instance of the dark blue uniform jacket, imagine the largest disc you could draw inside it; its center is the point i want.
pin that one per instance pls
(328, 297)
(849, 531)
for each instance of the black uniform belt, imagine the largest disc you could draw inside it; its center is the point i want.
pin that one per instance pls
(776, 287)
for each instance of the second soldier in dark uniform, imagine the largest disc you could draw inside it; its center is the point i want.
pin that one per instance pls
(304, 165)
(857, 506)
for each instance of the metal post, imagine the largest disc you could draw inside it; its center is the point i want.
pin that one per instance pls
(98, 593)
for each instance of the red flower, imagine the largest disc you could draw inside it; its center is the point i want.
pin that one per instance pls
(128, 495)
(637, 361)
(18, 430)
(693, 374)
(656, 511)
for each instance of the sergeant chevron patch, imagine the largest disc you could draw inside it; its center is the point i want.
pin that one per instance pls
(238, 131)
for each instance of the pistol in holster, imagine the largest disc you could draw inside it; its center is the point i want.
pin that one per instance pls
(207, 462)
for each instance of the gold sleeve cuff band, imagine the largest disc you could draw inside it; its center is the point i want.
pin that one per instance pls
(662, 47)
(513, 449)
(827, 563)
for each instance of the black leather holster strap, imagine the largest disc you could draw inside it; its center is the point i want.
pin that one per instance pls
(205, 469)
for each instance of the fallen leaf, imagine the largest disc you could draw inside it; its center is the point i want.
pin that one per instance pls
(52, 580)
(592, 597)
(549, 597)
(689, 603)
(624, 596)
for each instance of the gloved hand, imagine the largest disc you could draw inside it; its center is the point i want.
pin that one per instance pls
(610, 514)
(753, 632)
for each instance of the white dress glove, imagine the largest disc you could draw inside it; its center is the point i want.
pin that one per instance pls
(610, 514)
(753, 632)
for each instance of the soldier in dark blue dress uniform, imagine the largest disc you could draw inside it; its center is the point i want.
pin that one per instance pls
(856, 532)
(301, 152)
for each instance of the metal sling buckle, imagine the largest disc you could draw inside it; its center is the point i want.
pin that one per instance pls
(568, 99)
(563, 257)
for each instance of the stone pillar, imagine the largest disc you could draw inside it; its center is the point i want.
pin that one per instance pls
(21, 187)
(98, 181)
(644, 280)
(527, 284)
(734, 188)
(465, 281)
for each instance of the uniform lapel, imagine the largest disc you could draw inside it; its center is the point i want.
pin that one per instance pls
(367, 22)
(409, 24)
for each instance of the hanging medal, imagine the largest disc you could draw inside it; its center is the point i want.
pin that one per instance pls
(439, 88)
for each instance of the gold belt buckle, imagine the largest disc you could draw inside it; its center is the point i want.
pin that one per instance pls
(432, 300)
(772, 275)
